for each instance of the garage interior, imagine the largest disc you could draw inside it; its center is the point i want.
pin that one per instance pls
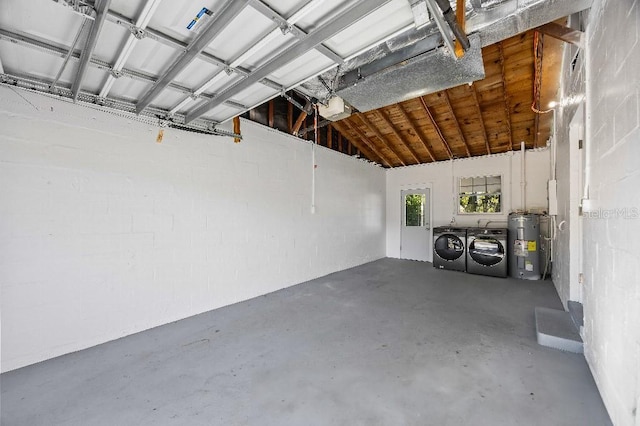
(205, 213)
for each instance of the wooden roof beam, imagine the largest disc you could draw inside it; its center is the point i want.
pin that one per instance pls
(365, 142)
(296, 127)
(474, 94)
(457, 123)
(412, 126)
(436, 128)
(563, 33)
(376, 132)
(537, 82)
(388, 122)
(505, 95)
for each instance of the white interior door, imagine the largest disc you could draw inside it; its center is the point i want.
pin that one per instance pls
(415, 235)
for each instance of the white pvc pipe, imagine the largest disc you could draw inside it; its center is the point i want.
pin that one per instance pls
(313, 160)
(554, 148)
(523, 182)
(313, 177)
(586, 132)
(587, 147)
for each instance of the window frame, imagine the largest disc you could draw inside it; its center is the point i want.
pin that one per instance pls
(485, 176)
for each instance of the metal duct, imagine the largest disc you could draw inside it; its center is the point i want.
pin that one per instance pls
(426, 73)
(495, 21)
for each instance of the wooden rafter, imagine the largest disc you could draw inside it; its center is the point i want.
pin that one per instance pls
(436, 128)
(236, 128)
(376, 132)
(474, 94)
(505, 96)
(412, 126)
(456, 123)
(301, 119)
(439, 130)
(398, 136)
(365, 142)
(537, 81)
(271, 113)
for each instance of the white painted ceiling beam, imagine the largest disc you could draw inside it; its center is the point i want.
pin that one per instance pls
(101, 13)
(142, 22)
(218, 23)
(345, 19)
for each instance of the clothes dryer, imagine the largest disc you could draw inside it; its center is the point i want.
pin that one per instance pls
(487, 252)
(449, 248)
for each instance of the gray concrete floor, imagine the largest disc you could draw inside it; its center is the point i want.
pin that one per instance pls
(392, 342)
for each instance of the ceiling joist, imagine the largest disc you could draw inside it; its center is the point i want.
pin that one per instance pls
(370, 147)
(404, 132)
(474, 94)
(85, 57)
(505, 95)
(398, 136)
(338, 23)
(456, 123)
(379, 135)
(435, 127)
(283, 24)
(415, 131)
(218, 23)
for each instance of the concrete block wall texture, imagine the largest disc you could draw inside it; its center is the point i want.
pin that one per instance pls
(611, 290)
(443, 178)
(104, 232)
(569, 170)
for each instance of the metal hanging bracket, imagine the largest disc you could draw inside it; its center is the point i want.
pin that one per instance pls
(219, 132)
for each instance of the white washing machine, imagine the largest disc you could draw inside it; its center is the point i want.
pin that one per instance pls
(487, 252)
(449, 248)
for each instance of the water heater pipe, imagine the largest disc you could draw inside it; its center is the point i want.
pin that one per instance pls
(313, 160)
(523, 183)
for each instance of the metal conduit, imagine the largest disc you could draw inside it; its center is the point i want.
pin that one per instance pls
(450, 17)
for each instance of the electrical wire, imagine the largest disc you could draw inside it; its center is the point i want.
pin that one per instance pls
(537, 74)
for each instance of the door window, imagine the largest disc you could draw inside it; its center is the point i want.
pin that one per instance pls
(414, 209)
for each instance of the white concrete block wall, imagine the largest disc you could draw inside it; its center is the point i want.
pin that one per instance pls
(569, 170)
(443, 177)
(612, 230)
(104, 232)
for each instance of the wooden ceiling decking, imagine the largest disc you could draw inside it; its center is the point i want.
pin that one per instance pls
(490, 116)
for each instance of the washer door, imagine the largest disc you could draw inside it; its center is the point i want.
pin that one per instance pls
(486, 251)
(449, 247)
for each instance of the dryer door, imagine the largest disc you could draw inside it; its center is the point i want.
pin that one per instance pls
(449, 247)
(486, 251)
